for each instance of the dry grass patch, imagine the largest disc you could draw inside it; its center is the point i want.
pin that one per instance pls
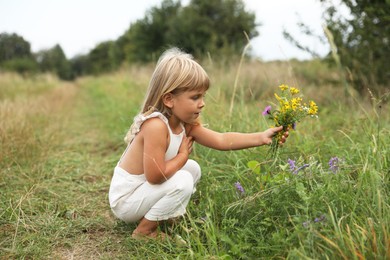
(30, 123)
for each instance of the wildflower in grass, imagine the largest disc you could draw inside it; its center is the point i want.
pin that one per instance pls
(334, 164)
(306, 224)
(322, 218)
(301, 168)
(291, 163)
(295, 169)
(239, 188)
(290, 111)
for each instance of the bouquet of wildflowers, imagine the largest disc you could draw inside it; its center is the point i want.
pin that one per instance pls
(291, 110)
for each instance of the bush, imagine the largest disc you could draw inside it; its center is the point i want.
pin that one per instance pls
(21, 65)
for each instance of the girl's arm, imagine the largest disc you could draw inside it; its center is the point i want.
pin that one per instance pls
(155, 136)
(233, 140)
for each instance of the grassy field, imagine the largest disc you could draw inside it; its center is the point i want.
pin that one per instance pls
(60, 142)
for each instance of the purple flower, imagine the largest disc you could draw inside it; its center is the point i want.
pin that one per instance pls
(306, 224)
(292, 165)
(320, 219)
(334, 163)
(239, 188)
(295, 169)
(266, 111)
(301, 168)
(294, 125)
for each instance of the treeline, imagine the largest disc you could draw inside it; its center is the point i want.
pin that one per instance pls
(203, 26)
(359, 43)
(358, 32)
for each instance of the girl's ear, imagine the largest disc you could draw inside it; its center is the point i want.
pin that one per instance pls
(168, 100)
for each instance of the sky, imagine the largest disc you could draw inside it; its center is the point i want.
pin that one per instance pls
(79, 25)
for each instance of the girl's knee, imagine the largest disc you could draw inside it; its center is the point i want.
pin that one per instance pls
(194, 168)
(184, 182)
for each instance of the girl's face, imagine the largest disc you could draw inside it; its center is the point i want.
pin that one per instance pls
(188, 105)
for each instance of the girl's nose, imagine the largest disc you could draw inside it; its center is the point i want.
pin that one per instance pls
(201, 104)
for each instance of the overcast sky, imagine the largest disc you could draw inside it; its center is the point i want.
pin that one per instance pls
(79, 25)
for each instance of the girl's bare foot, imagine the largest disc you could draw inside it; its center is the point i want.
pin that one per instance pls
(155, 235)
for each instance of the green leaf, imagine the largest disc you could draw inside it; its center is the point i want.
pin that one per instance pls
(254, 166)
(301, 190)
(283, 167)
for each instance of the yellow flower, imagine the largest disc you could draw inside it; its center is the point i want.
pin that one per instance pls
(285, 106)
(296, 103)
(276, 121)
(281, 100)
(283, 87)
(294, 91)
(290, 111)
(313, 109)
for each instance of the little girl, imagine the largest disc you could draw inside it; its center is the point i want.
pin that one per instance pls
(154, 179)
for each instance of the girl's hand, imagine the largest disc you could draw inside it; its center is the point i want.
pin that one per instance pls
(269, 133)
(186, 145)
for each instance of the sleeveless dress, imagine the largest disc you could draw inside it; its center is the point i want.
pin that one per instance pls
(131, 197)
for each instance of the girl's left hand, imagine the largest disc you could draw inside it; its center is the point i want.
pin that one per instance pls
(186, 145)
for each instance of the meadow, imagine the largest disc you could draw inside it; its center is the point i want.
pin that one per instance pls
(61, 140)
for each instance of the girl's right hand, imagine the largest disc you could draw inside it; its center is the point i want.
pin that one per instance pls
(186, 145)
(271, 132)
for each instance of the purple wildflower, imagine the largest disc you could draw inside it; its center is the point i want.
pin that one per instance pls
(320, 219)
(334, 163)
(306, 224)
(294, 125)
(295, 169)
(266, 111)
(239, 188)
(301, 168)
(292, 165)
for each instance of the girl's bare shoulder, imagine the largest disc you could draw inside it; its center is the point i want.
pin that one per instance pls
(154, 125)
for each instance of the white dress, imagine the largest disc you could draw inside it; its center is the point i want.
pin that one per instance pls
(132, 197)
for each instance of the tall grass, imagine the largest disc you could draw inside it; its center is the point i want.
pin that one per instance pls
(60, 142)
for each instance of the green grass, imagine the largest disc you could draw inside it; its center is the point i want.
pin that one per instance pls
(60, 143)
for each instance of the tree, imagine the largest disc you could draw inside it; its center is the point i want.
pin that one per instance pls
(80, 65)
(213, 26)
(15, 54)
(148, 36)
(203, 26)
(54, 60)
(13, 46)
(104, 57)
(362, 40)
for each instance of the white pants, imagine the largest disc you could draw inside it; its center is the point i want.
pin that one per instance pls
(132, 197)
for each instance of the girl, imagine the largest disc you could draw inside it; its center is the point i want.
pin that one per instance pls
(154, 179)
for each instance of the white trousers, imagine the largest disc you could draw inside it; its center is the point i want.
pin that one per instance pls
(132, 197)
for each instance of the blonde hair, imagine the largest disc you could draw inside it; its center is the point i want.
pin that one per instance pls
(175, 72)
